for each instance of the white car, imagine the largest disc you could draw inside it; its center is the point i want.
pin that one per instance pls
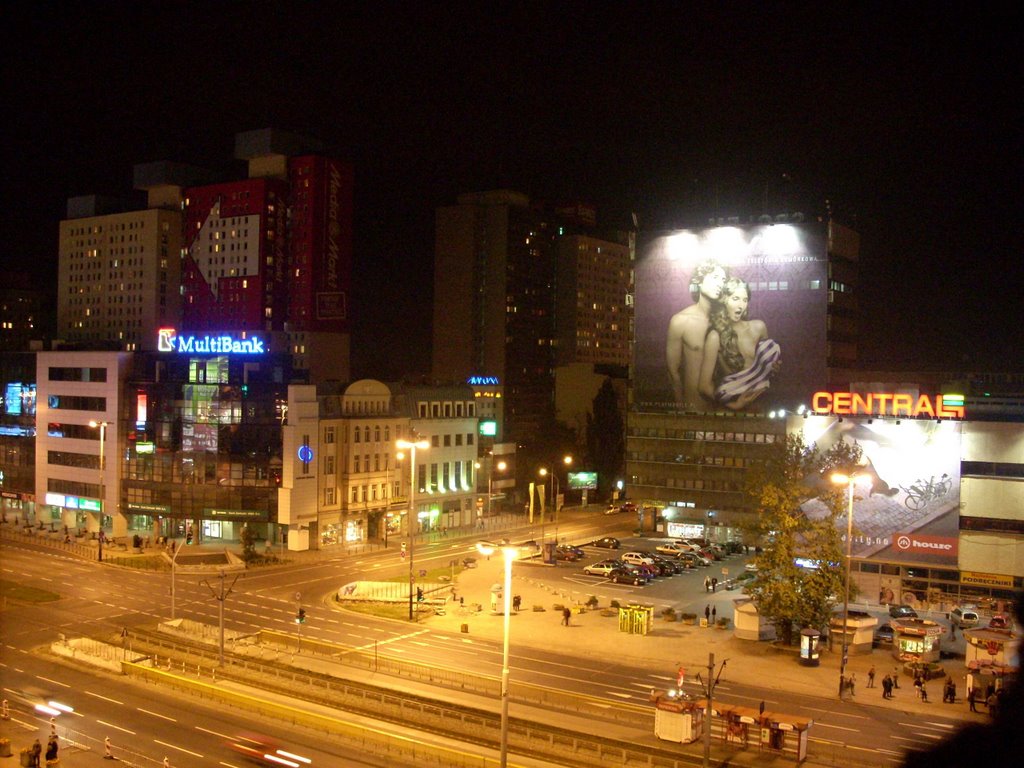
(636, 558)
(672, 549)
(600, 569)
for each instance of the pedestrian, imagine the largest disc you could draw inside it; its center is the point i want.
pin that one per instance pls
(680, 677)
(33, 755)
(51, 749)
(566, 614)
(852, 682)
(924, 692)
(707, 583)
(714, 584)
(714, 614)
(896, 677)
(871, 677)
(516, 602)
(707, 614)
(887, 687)
(951, 690)
(918, 684)
(993, 705)
(972, 699)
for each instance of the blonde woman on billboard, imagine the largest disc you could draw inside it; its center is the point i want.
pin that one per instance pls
(739, 359)
(687, 332)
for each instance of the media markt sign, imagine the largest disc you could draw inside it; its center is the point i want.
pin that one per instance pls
(169, 340)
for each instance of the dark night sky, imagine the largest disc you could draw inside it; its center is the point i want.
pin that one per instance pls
(909, 121)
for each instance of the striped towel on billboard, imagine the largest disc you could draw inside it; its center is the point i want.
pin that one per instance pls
(753, 378)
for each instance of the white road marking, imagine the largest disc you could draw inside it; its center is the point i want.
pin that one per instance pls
(180, 749)
(114, 701)
(156, 714)
(118, 727)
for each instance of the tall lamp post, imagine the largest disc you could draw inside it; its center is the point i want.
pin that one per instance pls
(553, 492)
(848, 480)
(103, 471)
(510, 553)
(411, 446)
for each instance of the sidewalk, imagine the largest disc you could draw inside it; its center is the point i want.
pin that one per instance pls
(672, 644)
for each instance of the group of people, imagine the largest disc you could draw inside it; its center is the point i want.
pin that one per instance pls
(710, 584)
(716, 355)
(990, 697)
(36, 752)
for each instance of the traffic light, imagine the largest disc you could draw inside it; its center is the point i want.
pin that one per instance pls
(419, 594)
(300, 617)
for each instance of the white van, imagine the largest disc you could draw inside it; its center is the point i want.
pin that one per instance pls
(964, 617)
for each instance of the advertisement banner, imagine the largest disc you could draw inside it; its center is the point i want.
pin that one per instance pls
(731, 318)
(906, 498)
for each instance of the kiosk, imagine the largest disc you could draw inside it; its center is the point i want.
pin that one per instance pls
(677, 719)
(916, 639)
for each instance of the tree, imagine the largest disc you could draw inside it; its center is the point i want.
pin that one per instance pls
(787, 594)
(248, 544)
(606, 441)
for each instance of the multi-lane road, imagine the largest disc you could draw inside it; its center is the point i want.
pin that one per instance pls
(97, 600)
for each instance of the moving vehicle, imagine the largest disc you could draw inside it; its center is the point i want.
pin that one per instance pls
(602, 568)
(263, 750)
(625, 576)
(608, 542)
(963, 617)
(902, 612)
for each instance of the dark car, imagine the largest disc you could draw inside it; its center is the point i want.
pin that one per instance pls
(626, 576)
(568, 552)
(902, 612)
(884, 635)
(608, 542)
(665, 566)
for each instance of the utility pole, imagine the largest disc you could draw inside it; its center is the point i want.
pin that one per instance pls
(221, 595)
(709, 708)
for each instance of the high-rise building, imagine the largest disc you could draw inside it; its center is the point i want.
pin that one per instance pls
(499, 309)
(118, 276)
(21, 318)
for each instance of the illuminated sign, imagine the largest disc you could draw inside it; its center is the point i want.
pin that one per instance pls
(305, 454)
(483, 381)
(586, 480)
(169, 340)
(72, 502)
(731, 318)
(145, 447)
(489, 427)
(888, 404)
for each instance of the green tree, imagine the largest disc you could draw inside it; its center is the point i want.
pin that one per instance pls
(606, 439)
(248, 544)
(788, 595)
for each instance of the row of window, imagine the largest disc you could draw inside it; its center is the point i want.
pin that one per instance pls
(700, 434)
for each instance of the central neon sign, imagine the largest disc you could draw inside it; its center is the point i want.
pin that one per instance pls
(888, 404)
(169, 340)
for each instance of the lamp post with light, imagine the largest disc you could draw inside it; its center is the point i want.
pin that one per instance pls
(411, 446)
(848, 480)
(510, 553)
(553, 492)
(103, 471)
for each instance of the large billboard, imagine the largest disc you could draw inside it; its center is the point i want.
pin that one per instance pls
(731, 318)
(906, 496)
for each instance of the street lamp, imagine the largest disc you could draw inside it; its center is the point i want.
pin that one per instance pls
(848, 480)
(103, 466)
(509, 553)
(502, 466)
(411, 446)
(567, 460)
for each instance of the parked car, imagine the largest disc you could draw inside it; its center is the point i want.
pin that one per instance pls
(662, 568)
(693, 557)
(579, 553)
(636, 558)
(563, 552)
(884, 635)
(613, 509)
(1000, 621)
(671, 549)
(902, 612)
(964, 617)
(670, 563)
(608, 542)
(626, 576)
(602, 568)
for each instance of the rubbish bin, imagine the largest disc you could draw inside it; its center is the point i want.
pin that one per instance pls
(810, 640)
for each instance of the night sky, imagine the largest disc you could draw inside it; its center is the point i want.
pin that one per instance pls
(906, 117)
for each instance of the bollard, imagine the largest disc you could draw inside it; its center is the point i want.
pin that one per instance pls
(108, 752)
(5, 712)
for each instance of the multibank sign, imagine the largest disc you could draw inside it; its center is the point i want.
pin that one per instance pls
(169, 340)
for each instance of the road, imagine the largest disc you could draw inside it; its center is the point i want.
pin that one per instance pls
(100, 600)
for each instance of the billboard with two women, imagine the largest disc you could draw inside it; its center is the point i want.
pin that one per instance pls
(731, 318)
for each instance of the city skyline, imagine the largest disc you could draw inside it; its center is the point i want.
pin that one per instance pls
(675, 116)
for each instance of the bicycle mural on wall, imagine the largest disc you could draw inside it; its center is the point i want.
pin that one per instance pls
(920, 493)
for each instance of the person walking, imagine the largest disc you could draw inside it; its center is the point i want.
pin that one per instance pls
(714, 584)
(972, 700)
(871, 677)
(714, 614)
(924, 692)
(707, 614)
(566, 614)
(517, 600)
